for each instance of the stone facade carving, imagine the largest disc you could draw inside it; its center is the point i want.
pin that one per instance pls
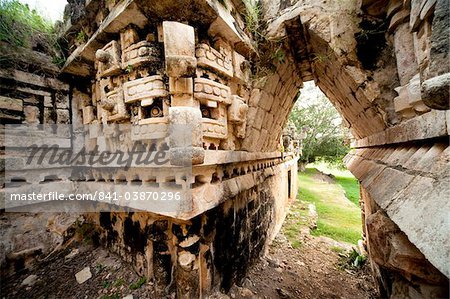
(200, 69)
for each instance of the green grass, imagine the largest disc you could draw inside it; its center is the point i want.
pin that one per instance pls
(344, 178)
(339, 219)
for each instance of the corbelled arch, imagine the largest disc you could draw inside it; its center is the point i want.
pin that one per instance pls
(401, 151)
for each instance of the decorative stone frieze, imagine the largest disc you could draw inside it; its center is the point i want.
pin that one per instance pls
(179, 49)
(109, 59)
(221, 62)
(144, 90)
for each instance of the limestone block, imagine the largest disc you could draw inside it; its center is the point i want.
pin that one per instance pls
(114, 106)
(48, 102)
(208, 57)
(179, 49)
(404, 52)
(390, 247)
(402, 104)
(83, 275)
(128, 37)
(213, 128)
(414, 95)
(154, 129)
(421, 211)
(49, 116)
(241, 67)
(88, 115)
(422, 48)
(189, 117)
(266, 101)
(186, 156)
(430, 159)
(237, 112)
(207, 90)
(139, 53)
(11, 104)
(254, 97)
(185, 136)
(435, 92)
(144, 88)
(383, 188)
(447, 117)
(31, 114)
(62, 101)
(439, 49)
(62, 116)
(179, 86)
(181, 90)
(272, 83)
(108, 58)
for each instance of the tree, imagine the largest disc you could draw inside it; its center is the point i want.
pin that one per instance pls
(326, 138)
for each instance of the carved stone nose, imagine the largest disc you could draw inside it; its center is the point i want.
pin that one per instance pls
(102, 56)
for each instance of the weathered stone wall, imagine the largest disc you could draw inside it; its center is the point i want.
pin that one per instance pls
(27, 98)
(211, 251)
(32, 97)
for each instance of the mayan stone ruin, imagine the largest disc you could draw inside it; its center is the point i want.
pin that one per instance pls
(146, 68)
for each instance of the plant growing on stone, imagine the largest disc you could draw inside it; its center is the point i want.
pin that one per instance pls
(351, 260)
(81, 37)
(138, 284)
(269, 52)
(22, 28)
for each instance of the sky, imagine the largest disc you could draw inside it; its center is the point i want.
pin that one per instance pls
(51, 9)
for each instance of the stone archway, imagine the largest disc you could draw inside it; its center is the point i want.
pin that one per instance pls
(387, 111)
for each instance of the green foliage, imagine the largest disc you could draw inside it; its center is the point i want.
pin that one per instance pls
(325, 136)
(21, 27)
(81, 37)
(119, 282)
(351, 260)
(269, 51)
(138, 284)
(106, 284)
(129, 69)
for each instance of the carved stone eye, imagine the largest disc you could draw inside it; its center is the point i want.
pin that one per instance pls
(143, 51)
(205, 112)
(156, 112)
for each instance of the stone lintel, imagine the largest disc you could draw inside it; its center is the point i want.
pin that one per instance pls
(432, 124)
(120, 17)
(33, 79)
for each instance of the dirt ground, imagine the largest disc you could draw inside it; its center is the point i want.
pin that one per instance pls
(111, 278)
(310, 271)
